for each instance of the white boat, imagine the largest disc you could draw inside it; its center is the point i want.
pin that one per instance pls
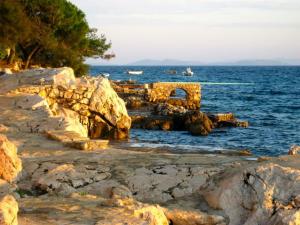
(105, 74)
(188, 72)
(135, 72)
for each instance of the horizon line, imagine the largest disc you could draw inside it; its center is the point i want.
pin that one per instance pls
(207, 65)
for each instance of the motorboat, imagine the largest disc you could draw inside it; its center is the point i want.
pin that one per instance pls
(135, 72)
(188, 72)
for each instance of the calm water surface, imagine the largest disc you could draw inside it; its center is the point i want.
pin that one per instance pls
(267, 97)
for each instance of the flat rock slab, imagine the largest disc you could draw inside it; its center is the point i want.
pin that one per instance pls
(88, 145)
(75, 140)
(88, 210)
(65, 136)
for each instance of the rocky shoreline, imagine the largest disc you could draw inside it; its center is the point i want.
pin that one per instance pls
(153, 107)
(56, 182)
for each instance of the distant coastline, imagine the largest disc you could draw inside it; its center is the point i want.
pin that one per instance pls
(173, 62)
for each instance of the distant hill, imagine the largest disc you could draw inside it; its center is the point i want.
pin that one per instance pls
(165, 62)
(255, 62)
(258, 63)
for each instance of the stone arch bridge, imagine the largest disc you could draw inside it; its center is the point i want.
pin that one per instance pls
(162, 91)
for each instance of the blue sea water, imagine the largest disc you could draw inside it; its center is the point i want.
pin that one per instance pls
(267, 97)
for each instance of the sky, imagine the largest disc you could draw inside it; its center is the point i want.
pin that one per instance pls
(198, 30)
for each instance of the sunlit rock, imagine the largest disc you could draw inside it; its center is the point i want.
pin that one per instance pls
(8, 211)
(10, 164)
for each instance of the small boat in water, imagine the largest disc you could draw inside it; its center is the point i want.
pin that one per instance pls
(135, 72)
(188, 72)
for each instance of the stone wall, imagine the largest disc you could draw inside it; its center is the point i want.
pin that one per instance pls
(92, 107)
(161, 92)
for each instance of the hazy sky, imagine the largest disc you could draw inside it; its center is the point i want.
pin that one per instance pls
(200, 30)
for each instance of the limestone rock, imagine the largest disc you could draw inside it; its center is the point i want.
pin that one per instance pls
(285, 217)
(66, 178)
(8, 82)
(3, 128)
(87, 106)
(133, 102)
(88, 209)
(221, 117)
(72, 121)
(258, 195)
(180, 217)
(227, 120)
(60, 76)
(65, 136)
(5, 71)
(8, 211)
(105, 188)
(105, 102)
(294, 150)
(6, 187)
(166, 109)
(198, 123)
(10, 164)
(55, 76)
(153, 214)
(120, 192)
(32, 102)
(164, 183)
(89, 145)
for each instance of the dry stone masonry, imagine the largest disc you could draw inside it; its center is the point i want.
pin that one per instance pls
(92, 101)
(161, 92)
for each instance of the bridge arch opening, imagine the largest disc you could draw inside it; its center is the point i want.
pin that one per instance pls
(178, 93)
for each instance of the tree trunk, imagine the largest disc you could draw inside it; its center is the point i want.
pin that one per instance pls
(11, 56)
(29, 57)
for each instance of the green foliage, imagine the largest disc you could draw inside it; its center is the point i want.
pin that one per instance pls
(23, 193)
(83, 193)
(50, 33)
(14, 24)
(2, 52)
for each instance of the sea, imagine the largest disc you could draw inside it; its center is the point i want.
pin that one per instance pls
(268, 97)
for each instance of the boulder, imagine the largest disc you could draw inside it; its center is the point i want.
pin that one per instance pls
(264, 194)
(198, 123)
(72, 121)
(55, 76)
(134, 102)
(294, 150)
(152, 214)
(226, 120)
(106, 103)
(8, 211)
(166, 109)
(5, 71)
(10, 164)
(180, 217)
(221, 117)
(59, 77)
(88, 106)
